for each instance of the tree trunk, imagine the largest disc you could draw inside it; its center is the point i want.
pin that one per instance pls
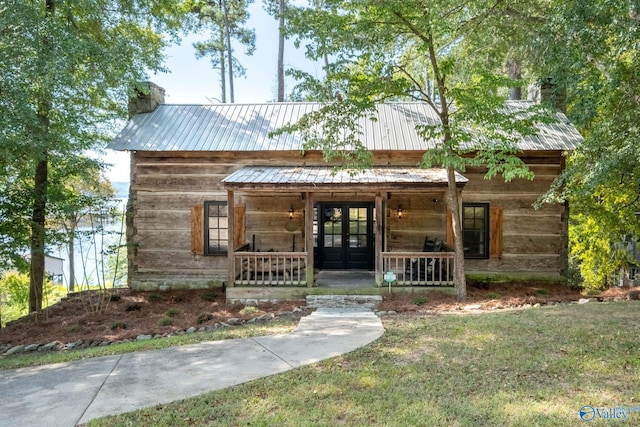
(72, 263)
(458, 267)
(38, 217)
(515, 73)
(223, 77)
(281, 52)
(227, 33)
(39, 213)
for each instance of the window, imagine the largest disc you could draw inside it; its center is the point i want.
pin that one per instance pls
(475, 230)
(216, 228)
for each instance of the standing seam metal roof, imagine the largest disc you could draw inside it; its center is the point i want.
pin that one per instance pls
(246, 127)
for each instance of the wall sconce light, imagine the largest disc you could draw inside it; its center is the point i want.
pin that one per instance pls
(400, 212)
(291, 212)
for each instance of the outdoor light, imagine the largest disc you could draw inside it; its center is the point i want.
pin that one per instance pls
(291, 212)
(399, 212)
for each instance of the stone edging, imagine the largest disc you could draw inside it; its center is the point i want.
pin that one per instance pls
(8, 350)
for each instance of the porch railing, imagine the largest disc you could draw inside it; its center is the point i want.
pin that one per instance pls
(420, 268)
(271, 268)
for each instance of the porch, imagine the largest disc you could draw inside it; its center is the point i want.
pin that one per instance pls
(341, 221)
(288, 269)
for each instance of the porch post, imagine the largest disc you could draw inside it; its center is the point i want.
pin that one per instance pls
(378, 237)
(308, 237)
(231, 263)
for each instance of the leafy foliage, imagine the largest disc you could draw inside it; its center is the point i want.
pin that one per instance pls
(409, 50)
(598, 64)
(67, 70)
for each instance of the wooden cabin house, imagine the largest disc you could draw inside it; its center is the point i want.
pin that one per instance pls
(215, 201)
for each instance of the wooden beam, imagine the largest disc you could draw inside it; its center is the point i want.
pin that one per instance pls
(379, 237)
(308, 236)
(230, 239)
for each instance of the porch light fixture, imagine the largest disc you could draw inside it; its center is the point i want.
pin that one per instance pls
(399, 211)
(291, 212)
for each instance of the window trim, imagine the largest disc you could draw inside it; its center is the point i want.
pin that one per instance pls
(207, 248)
(486, 229)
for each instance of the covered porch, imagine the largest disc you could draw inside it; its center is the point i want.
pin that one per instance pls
(365, 222)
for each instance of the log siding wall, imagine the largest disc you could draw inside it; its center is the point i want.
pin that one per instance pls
(165, 186)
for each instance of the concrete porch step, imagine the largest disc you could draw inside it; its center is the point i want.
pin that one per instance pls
(342, 301)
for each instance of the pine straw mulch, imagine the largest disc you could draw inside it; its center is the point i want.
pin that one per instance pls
(132, 313)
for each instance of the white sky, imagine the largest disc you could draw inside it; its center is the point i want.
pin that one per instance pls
(193, 81)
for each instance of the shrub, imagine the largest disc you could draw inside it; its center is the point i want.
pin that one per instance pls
(114, 298)
(492, 295)
(165, 321)
(118, 325)
(134, 307)
(172, 312)
(154, 297)
(249, 310)
(204, 317)
(210, 295)
(420, 300)
(540, 292)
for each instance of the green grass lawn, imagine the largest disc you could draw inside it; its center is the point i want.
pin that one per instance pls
(517, 368)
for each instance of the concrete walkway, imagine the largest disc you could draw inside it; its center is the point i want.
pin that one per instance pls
(67, 394)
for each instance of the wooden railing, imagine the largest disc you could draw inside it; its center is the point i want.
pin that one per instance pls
(271, 268)
(420, 268)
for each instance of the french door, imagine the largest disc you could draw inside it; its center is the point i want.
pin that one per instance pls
(345, 236)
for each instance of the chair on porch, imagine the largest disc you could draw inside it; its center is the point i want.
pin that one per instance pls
(423, 269)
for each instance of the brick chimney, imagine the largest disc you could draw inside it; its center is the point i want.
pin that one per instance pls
(147, 97)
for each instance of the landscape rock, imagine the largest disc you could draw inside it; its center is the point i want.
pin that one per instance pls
(584, 300)
(31, 347)
(143, 337)
(191, 330)
(234, 321)
(472, 307)
(15, 350)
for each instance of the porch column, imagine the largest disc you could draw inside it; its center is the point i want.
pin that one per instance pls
(378, 237)
(308, 237)
(231, 279)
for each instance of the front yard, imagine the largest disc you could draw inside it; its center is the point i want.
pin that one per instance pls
(536, 366)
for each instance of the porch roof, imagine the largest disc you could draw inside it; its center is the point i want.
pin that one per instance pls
(327, 178)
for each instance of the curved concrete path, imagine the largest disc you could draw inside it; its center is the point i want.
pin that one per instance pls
(67, 394)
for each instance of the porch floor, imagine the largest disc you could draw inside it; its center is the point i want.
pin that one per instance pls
(346, 279)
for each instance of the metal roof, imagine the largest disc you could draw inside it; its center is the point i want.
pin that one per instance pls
(246, 127)
(320, 176)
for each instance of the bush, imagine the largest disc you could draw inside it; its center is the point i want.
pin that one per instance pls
(154, 298)
(420, 300)
(249, 310)
(165, 321)
(540, 292)
(210, 295)
(118, 325)
(133, 307)
(204, 317)
(172, 312)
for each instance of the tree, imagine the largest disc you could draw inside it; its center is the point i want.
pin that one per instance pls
(225, 20)
(79, 196)
(590, 47)
(67, 68)
(277, 9)
(398, 50)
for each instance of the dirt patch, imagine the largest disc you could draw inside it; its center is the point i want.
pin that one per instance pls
(487, 297)
(131, 313)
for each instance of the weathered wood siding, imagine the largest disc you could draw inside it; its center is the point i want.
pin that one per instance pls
(166, 186)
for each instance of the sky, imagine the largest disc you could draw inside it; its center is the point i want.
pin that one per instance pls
(193, 81)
